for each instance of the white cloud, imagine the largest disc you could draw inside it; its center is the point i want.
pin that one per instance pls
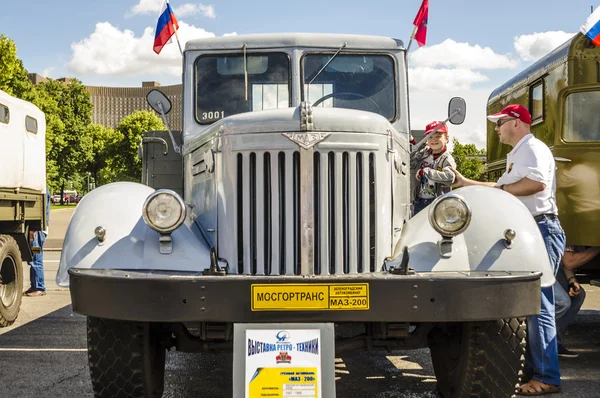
(154, 7)
(428, 79)
(536, 45)
(195, 9)
(460, 55)
(46, 72)
(112, 52)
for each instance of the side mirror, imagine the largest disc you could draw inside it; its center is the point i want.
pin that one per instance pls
(457, 110)
(158, 101)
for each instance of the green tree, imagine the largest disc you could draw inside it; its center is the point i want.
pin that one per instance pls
(105, 148)
(68, 110)
(467, 161)
(13, 75)
(133, 127)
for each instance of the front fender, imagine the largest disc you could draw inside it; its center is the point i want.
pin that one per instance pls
(481, 247)
(129, 243)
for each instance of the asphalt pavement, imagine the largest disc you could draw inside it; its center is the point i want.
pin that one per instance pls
(44, 353)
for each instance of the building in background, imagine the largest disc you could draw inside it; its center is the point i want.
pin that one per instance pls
(112, 104)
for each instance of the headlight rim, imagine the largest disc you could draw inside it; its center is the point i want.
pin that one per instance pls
(181, 218)
(437, 202)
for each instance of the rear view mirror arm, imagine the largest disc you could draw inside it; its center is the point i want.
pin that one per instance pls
(176, 147)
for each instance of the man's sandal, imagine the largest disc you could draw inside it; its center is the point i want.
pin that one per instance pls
(34, 293)
(534, 387)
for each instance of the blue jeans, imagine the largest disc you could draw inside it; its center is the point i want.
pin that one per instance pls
(541, 356)
(419, 204)
(36, 272)
(566, 306)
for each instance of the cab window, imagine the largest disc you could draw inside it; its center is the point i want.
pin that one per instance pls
(582, 119)
(235, 83)
(353, 81)
(536, 105)
(4, 114)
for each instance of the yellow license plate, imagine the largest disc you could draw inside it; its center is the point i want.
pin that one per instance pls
(310, 297)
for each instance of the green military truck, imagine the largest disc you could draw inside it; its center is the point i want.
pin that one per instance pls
(22, 194)
(562, 92)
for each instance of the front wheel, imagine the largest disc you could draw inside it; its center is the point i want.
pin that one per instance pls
(126, 359)
(478, 359)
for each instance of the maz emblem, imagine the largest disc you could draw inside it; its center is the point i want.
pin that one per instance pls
(306, 140)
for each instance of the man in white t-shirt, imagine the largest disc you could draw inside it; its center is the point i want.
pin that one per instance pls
(530, 176)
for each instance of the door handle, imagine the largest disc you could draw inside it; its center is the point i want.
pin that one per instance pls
(559, 159)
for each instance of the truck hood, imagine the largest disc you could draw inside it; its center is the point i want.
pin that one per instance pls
(288, 120)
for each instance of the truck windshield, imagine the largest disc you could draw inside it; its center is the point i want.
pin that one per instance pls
(221, 88)
(353, 81)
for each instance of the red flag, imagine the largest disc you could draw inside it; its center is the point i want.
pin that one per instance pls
(421, 23)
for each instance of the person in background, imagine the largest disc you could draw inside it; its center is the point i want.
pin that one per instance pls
(569, 295)
(36, 272)
(433, 165)
(530, 176)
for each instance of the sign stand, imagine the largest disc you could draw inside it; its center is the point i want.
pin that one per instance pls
(283, 360)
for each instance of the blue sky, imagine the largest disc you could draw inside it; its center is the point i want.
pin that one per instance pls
(472, 46)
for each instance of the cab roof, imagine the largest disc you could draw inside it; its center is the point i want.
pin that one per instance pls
(308, 40)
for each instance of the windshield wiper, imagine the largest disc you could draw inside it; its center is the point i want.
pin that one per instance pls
(323, 68)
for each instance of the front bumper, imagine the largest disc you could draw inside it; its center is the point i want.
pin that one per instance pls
(154, 296)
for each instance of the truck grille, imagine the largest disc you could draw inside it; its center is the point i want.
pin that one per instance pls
(268, 213)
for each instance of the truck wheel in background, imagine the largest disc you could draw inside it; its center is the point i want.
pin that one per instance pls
(126, 359)
(478, 359)
(11, 280)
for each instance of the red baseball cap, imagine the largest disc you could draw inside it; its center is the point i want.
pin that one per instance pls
(515, 111)
(432, 126)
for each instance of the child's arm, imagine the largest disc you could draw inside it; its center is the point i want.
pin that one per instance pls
(444, 176)
(417, 157)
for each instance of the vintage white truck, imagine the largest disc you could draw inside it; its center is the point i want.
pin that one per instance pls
(294, 165)
(22, 195)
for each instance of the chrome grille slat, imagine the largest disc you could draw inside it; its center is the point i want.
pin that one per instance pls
(274, 218)
(323, 215)
(259, 219)
(352, 230)
(289, 213)
(374, 221)
(366, 252)
(246, 204)
(339, 221)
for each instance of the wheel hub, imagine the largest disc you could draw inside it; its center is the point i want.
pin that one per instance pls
(8, 282)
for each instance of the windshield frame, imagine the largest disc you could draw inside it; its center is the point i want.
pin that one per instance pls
(396, 115)
(236, 53)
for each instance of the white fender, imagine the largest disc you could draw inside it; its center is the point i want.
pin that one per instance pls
(481, 247)
(129, 243)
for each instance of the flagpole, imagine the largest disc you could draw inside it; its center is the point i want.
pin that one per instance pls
(411, 38)
(178, 43)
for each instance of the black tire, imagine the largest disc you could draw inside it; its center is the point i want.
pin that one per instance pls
(126, 359)
(11, 280)
(478, 359)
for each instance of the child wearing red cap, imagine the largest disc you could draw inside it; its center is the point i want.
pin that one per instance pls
(433, 164)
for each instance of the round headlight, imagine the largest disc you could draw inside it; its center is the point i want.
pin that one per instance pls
(164, 210)
(450, 214)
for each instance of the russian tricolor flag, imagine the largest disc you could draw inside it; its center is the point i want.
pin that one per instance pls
(165, 28)
(591, 27)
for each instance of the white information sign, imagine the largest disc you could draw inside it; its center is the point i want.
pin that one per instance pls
(283, 363)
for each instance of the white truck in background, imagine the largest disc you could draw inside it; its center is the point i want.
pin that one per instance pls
(22, 195)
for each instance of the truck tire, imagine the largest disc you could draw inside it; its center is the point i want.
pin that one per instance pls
(11, 280)
(126, 359)
(478, 359)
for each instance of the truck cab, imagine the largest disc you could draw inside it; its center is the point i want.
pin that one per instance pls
(296, 210)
